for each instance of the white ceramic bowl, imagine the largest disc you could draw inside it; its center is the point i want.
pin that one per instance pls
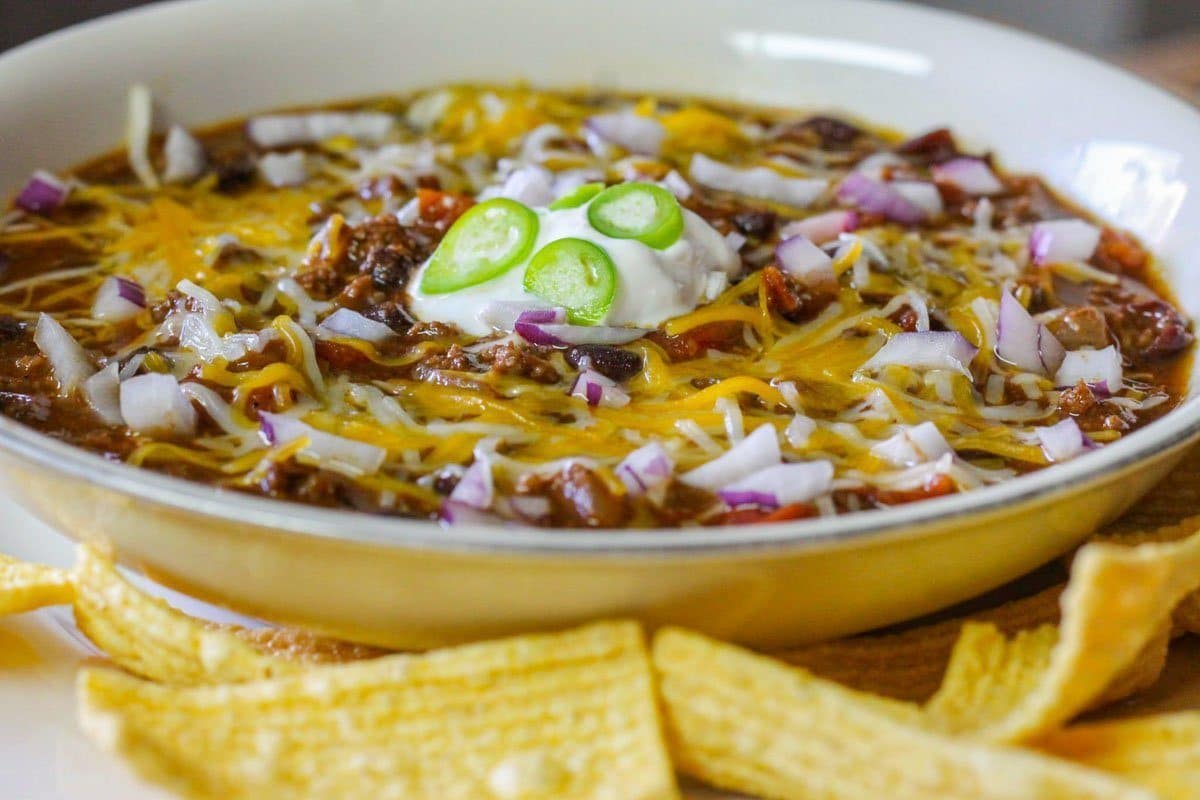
(1126, 150)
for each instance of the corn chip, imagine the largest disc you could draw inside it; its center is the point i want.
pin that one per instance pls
(568, 715)
(25, 587)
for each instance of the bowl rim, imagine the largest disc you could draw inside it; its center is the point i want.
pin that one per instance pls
(1174, 430)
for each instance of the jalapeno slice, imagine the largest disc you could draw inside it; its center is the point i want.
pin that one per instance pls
(577, 196)
(487, 241)
(639, 211)
(575, 274)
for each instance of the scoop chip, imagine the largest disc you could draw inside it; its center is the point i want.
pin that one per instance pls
(569, 715)
(751, 724)
(1117, 605)
(909, 665)
(1159, 752)
(148, 637)
(25, 587)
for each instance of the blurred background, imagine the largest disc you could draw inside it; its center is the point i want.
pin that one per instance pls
(1160, 38)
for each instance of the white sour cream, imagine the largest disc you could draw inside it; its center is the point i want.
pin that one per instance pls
(652, 285)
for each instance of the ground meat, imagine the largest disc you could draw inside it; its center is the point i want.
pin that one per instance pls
(390, 313)
(1119, 253)
(1025, 201)
(828, 133)
(1077, 400)
(612, 362)
(931, 148)
(454, 359)
(431, 330)
(508, 359)
(578, 498)
(1148, 329)
(235, 170)
(373, 263)
(1081, 327)
(791, 301)
(755, 224)
(11, 329)
(724, 336)
(906, 318)
(288, 480)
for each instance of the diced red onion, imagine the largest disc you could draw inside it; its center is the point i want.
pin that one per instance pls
(67, 357)
(275, 130)
(334, 452)
(284, 169)
(646, 470)
(780, 485)
(185, 156)
(531, 185)
(103, 393)
(630, 131)
(1099, 369)
(1062, 240)
(878, 197)
(346, 322)
(154, 404)
(735, 241)
(1023, 341)
(453, 513)
(926, 350)
(561, 335)
(544, 316)
(761, 182)
(1064, 440)
(806, 262)
(757, 451)
(598, 390)
(916, 445)
(921, 194)
(476, 488)
(799, 430)
(529, 506)
(970, 175)
(43, 192)
(502, 315)
(118, 299)
(822, 228)
(677, 185)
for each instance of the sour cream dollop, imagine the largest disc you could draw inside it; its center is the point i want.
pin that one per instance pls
(652, 285)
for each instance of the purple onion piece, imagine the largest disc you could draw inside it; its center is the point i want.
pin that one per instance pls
(552, 316)
(1061, 240)
(969, 174)
(646, 469)
(1023, 341)
(1064, 440)
(748, 497)
(42, 193)
(918, 444)
(630, 131)
(454, 513)
(758, 450)
(781, 484)
(822, 228)
(476, 487)
(878, 197)
(806, 262)
(926, 350)
(562, 335)
(1099, 369)
(350, 323)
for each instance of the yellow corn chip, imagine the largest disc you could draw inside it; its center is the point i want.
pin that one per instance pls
(1118, 602)
(569, 715)
(751, 724)
(24, 587)
(146, 636)
(1161, 752)
(909, 665)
